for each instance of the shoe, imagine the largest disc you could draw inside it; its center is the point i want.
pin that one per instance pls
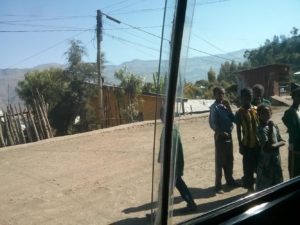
(192, 206)
(233, 184)
(249, 187)
(149, 216)
(218, 189)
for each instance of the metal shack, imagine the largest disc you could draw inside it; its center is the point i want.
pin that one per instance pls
(275, 78)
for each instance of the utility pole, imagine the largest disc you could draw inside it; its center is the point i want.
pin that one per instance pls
(100, 82)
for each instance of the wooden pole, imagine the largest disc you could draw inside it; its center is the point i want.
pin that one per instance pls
(44, 110)
(100, 85)
(26, 122)
(2, 141)
(8, 130)
(38, 120)
(43, 121)
(33, 125)
(13, 125)
(21, 133)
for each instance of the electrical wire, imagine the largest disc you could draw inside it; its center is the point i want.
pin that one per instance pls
(44, 50)
(140, 29)
(43, 31)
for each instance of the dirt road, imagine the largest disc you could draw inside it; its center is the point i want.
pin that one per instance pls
(104, 177)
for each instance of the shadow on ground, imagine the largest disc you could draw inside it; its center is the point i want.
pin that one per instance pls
(206, 207)
(132, 221)
(197, 193)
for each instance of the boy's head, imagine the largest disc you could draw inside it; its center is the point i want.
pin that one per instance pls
(219, 93)
(264, 112)
(258, 92)
(246, 96)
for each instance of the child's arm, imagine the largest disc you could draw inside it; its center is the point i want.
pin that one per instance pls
(279, 138)
(239, 137)
(239, 134)
(278, 144)
(239, 131)
(280, 141)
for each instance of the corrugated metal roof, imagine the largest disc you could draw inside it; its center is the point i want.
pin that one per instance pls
(262, 67)
(196, 105)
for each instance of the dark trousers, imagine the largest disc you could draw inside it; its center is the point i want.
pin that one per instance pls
(250, 156)
(223, 159)
(294, 163)
(183, 190)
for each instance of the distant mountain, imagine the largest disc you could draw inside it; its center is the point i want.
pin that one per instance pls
(48, 65)
(195, 68)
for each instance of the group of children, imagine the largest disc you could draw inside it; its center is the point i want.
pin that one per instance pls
(258, 138)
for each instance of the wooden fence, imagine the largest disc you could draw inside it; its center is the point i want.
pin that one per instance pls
(19, 126)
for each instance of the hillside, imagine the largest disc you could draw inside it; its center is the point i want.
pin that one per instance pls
(196, 69)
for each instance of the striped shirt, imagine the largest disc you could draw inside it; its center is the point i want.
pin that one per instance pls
(248, 120)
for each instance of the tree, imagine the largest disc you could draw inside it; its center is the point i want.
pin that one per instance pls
(211, 76)
(51, 84)
(279, 50)
(201, 83)
(74, 100)
(65, 91)
(158, 85)
(131, 87)
(294, 31)
(74, 55)
(191, 91)
(227, 72)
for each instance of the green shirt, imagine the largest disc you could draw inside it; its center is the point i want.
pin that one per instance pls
(263, 101)
(176, 149)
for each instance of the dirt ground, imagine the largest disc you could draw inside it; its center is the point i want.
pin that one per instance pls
(105, 176)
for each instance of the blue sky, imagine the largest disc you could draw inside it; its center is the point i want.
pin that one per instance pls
(35, 32)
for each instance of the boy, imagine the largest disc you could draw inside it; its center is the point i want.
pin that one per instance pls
(179, 164)
(247, 122)
(291, 120)
(221, 121)
(258, 93)
(269, 170)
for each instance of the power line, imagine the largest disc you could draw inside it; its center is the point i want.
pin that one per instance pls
(134, 3)
(46, 19)
(44, 50)
(141, 30)
(162, 8)
(116, 3)
(136, 28)
(127, 28)
(43, 26)
(217, 56)
(130, 42)
(139, 11)
(42, 31)
(214, 46)
(132, 34)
